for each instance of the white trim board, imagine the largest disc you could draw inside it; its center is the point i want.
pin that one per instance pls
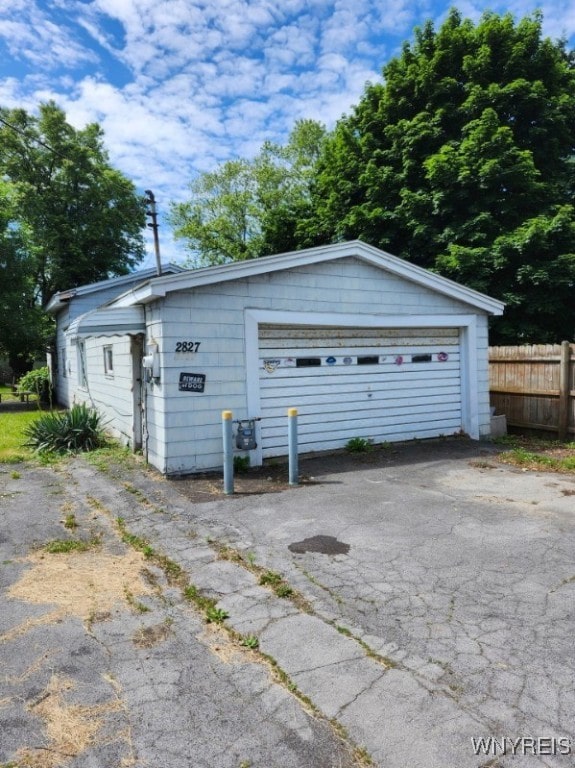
(196, 278)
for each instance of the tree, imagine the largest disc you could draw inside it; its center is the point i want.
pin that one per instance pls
(79, 220)
(247, 208)
(21, 317)
(462, 161)
(220, 222)
(66, 218)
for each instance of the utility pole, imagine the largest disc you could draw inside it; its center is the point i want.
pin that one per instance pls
(151, 202)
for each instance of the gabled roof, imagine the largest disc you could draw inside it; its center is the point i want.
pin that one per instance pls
(157, 287)
(60, 299)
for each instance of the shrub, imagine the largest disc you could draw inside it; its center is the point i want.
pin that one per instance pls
(39, 382)
(79, 429)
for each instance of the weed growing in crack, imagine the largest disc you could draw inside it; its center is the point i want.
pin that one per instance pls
(70, 522)
(276, 582)
(250, 641)
(96, 504)
(216, 615)
(200, 601)
(270, 578)
(283, 590)
(137, 542)
(229, 553)
(369, 652)
(134, 604)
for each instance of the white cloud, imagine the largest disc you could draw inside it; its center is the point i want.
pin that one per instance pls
(29, 34)
(201, 83)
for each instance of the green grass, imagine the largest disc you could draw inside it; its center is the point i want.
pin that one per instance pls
(12, 438)
(65, 546)
(537, 454)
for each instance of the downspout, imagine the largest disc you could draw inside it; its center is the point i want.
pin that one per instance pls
(145, 431)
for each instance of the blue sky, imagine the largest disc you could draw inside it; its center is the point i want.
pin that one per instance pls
(181, 85)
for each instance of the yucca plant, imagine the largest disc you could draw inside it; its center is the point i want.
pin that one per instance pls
(78, 429)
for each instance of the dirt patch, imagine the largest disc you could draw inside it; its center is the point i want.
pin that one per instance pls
(147, 637)
(274, 477)
(84, 584)
(70, 728)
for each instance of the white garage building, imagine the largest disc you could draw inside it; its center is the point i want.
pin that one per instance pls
(362, 343)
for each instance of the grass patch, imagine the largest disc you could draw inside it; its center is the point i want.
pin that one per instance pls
(111, 457)
(534, 453)
(12, 437)
(64, 546)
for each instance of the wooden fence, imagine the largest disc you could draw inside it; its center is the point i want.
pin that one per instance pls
(534, 386)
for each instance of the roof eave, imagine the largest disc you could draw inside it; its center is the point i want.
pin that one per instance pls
(158, 287)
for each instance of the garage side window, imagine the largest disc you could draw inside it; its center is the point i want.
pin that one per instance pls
(108, 360)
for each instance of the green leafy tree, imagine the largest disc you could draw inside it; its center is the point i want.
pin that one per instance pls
(285, 175)
(79, 219)
(22, 322)
(247, 208)
(66, 218)
(462, 161)
(220, 220)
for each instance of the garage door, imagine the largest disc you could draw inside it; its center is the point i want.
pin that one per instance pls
(380, 384)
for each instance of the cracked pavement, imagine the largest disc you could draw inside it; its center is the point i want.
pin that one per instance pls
(450, 617)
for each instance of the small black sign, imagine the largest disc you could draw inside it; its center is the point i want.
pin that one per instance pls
(192, 382)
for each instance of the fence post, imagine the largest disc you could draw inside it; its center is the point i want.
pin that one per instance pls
(292, 443)
(564, 393)
(228, 452)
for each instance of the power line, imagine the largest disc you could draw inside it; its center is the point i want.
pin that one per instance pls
(32, 138)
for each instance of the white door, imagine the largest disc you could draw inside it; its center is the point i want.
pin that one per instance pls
(380, 384)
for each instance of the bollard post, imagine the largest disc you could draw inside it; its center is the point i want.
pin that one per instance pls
(292, 444)
(228, 452)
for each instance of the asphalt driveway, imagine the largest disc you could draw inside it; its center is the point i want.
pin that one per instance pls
(435, 612)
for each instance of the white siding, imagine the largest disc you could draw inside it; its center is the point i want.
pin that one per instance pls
(190, 423)
(110, 394)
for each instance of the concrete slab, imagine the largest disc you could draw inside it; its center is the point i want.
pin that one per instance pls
(459, 571)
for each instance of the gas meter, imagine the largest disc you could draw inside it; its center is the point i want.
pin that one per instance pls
(246, 435)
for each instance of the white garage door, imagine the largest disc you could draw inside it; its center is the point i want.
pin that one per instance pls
(380, 384)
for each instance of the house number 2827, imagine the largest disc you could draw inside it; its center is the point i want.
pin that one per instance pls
(187, 346)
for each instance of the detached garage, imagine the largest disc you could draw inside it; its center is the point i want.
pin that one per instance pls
(362, 343)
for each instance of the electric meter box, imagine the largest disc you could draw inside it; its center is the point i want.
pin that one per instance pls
(246, 435)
